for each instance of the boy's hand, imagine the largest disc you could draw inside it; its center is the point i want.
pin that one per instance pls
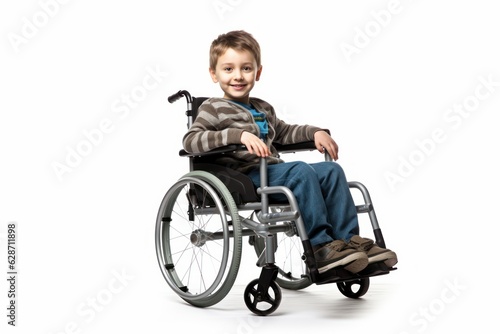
(324, 141)
(254, 144)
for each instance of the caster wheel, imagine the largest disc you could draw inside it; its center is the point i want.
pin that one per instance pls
(355, 288)
(262, 303)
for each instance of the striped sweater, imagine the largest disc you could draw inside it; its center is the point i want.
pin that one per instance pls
(221, 122)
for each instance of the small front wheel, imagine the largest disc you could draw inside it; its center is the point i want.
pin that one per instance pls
(262, 303)
(355, 288)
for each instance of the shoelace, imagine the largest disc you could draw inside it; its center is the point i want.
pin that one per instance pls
(365, 245)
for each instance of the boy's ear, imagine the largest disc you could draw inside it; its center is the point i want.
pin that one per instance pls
(259, 71)
(212, 74)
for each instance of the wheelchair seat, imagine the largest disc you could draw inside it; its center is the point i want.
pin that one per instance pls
(239, 185)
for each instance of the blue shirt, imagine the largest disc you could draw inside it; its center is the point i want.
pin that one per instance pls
(258, 117)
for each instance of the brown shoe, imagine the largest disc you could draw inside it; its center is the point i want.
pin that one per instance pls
(374, 252)
(338, 254)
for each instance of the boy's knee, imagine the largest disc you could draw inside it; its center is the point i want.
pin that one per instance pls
(330, 166)
(302, 168)
(329, 169)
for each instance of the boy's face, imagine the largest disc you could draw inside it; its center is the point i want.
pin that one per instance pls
(236, 72)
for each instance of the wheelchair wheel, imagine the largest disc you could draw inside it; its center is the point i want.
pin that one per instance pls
(292, 273)
(355, 288)
(198, 239)
(262, 304)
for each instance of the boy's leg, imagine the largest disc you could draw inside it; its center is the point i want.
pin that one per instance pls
(341, 210)
(301, 179)
(343, 215)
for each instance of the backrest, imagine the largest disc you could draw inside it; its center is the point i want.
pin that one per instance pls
(197, 101)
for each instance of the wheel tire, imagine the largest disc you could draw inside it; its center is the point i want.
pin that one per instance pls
(198, 239)
(252, 298)
(347, 288)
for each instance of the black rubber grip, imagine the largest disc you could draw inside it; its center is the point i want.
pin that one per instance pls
(176, 96)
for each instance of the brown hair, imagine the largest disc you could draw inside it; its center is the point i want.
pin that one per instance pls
(238, 40)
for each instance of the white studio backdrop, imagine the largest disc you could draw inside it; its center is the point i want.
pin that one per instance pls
(89, 145)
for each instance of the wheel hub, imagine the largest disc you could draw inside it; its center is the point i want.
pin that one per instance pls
(199, 237)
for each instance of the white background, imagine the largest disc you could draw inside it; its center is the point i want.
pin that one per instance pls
(66, 66)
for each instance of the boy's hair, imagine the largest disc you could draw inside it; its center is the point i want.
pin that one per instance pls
(239, 40)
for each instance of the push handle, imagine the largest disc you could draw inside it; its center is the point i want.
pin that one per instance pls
(174, 97)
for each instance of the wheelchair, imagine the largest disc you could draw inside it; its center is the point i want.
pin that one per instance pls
(204, 216)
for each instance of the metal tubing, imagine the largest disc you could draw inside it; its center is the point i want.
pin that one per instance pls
(368, 202)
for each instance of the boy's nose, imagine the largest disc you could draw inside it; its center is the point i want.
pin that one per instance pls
(237, 75)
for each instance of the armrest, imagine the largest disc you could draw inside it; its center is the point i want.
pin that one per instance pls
(219, 150)
(291, 148)
(297, 147)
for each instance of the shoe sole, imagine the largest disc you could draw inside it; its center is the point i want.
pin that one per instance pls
(389, 258)
(353, 263)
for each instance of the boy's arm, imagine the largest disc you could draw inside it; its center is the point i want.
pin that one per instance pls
(208, 132)
(294, 133)
(324, 142)
(255, 145)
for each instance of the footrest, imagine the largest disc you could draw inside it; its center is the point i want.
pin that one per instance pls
(375, 269)
(336, 275)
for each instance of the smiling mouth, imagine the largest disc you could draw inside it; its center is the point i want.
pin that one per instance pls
(238, 86)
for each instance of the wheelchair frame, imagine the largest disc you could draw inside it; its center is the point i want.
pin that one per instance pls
(199, 220)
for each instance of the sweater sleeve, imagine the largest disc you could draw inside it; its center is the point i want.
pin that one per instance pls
(209, 131)
(294, 133)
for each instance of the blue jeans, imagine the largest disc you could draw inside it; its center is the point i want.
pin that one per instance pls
(323, 195)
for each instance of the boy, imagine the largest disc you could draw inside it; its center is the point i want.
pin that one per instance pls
(321, 189)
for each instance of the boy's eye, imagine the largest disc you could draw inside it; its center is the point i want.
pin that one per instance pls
(247, 68)
(227, 69)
